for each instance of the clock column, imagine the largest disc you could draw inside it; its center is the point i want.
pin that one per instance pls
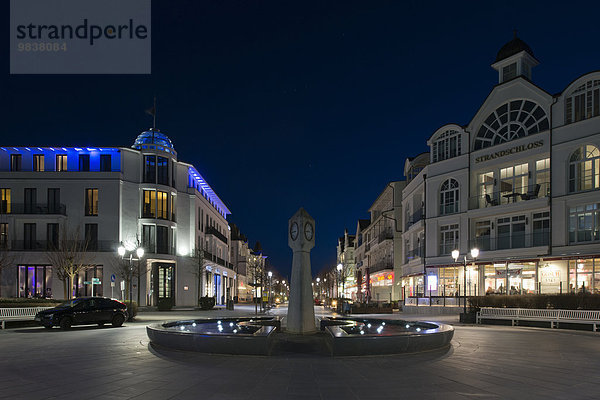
(301, 238)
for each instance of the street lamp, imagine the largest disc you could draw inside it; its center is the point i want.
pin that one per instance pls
(270, 274)
(139, 252)
(474, 255)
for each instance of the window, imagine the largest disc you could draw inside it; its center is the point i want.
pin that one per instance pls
(172, 207)
(29, 237)
(483, 233)
(150, 169)
(448, 238)
(15, 162)
(61, 162)
(34, 281)
(52, 236)
(91, 236)
(53, 200)
(149, 205)
(149, 237)
(91, 202)
(541, 229)
(163, 170)
(542, 176)
(161, 205)
(30, 200)
(583, 102)
(512, 120)
(509, 72)
(38, 162)
(3, 235)
(584, 223)
(486, 196)
(449, 197)
(584, 169)
(105, 163)
(162, 240)
(5, 204)
(511, 232)
(446, 146)
(513, 182)
(84, 162)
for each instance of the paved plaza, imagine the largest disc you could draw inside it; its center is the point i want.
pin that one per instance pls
(119, 363)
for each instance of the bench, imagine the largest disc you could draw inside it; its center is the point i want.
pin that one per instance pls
(554, 317)
(19, 314)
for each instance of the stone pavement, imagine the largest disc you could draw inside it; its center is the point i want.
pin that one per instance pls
(118, 363)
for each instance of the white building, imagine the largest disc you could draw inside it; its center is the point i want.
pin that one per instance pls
(345, 258)
(520, 182)
(138, 196)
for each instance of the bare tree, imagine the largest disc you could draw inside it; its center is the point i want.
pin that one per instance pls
(198, 269)
(6, 261)
(69, 257)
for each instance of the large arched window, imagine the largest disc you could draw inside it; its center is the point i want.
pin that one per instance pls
(583, 102)
(512, 120)
(449, 197)
(447, 145)
(584, 169)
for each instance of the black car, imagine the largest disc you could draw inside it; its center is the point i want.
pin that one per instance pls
(84, 311)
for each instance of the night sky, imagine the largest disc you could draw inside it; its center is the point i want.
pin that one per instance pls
(314, 104)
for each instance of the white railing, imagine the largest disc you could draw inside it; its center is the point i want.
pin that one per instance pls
(19, 313)
(530, 314)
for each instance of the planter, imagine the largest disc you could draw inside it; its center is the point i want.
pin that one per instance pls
(165, 304)
(206, 303)
(468, 318)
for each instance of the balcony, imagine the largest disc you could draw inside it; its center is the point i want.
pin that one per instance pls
(49, 245)
(39, 209)
(212, 231)
(380, 266)
(414, 218)
(510, 195)
(385, 235)
(414, 253)
(514, 241)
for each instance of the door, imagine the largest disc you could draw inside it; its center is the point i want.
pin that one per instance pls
(164, 281)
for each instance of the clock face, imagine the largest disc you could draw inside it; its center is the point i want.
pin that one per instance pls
(294, 231)
(308, 231)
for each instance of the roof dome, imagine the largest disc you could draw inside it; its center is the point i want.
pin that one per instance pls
(513, 47)
(154, 139)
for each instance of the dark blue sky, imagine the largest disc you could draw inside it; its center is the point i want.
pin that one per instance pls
(288, 104)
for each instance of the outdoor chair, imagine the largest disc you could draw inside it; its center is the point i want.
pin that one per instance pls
(531, 194)
(489, 201)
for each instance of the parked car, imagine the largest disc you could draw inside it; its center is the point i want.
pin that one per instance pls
(84, 311)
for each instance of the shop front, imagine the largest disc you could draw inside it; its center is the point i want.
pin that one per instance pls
(381, 286)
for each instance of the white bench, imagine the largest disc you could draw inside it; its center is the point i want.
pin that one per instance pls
(554, 317)
(19, 313)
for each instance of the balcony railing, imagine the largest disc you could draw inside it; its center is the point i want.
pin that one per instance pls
(385, 235)
(25, 208)
(414, 218)
(414, 253)
(212, 231)
(49, 245)
(514, 241)
(510, 195)
(380, 266)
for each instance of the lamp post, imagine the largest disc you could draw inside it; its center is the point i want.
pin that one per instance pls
(474, 255)
(122, 251)
(270, 299)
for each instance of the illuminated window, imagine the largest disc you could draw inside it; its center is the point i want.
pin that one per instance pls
(584, 169)
(38, 162)
(542, 176)
(583, 102)
(5, 201)
(161, 205)
(15, 162)
(510, 121)
(513, 183)
(149, 205)
(61, 162)
(91, 202)
(449, 197)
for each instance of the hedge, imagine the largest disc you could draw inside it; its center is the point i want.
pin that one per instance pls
(15, 302)
(540, 301)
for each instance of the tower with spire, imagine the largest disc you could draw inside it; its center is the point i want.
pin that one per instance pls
(514, 59)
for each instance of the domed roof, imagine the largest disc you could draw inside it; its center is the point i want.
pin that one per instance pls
(513, 47)
(153, 139)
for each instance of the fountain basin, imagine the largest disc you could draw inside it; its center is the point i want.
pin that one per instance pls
(240, 336)
(358, 336)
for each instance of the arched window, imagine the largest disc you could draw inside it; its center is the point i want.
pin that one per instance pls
(446, 146)
(512, 120)
(449, 197)
(584, 169)
(583, 102)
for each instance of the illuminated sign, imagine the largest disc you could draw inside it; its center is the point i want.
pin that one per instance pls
(512, 150)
